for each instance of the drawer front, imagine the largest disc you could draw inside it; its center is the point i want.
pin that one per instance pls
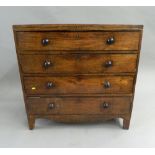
(80, 105)
(78, 84)
(78, 40)
(78, 63)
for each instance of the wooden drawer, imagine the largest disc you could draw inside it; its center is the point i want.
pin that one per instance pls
(78, 84)
(78, 40)
(78, 63)
(80, 105)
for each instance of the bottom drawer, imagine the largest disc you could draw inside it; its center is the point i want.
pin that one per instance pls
(79, 105)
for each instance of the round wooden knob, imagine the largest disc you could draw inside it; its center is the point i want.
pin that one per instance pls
(110, 41)
(108, 63)
(51, 106)
(47, 64)
(107, 84)
(105, 105)
(45, 42)
(50, 85)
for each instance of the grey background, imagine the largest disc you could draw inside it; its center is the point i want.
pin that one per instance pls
(13, 122)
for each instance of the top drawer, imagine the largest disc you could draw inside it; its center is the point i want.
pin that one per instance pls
(78, 40)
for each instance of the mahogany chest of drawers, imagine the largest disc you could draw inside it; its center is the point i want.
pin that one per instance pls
(78, 73)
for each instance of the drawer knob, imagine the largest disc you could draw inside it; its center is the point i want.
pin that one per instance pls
(107, 84)
(105, 105)
(47, 64)
(108, 63)
(110, 41)
(45, 42)
(51, 106)
(50, 85)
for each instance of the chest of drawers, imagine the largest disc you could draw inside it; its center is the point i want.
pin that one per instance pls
(78, 73)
